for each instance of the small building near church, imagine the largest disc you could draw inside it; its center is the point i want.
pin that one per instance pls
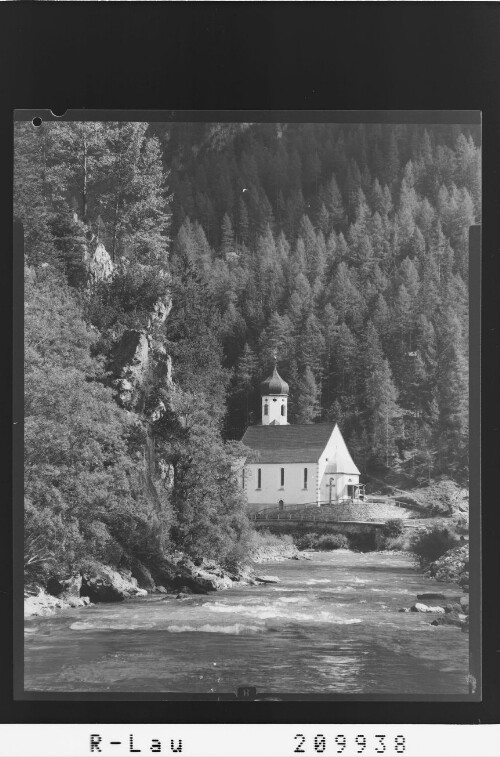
(295, 464)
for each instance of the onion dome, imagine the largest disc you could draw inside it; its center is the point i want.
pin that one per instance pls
(274, 384)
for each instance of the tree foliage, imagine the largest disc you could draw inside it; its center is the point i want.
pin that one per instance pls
(367, 221)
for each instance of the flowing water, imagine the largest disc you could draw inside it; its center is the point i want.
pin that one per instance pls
(330, 626)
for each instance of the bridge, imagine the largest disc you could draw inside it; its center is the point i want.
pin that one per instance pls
(346, 515)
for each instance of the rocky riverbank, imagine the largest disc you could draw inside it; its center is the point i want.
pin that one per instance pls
(452, 567)
(451, 611)
(176, 575)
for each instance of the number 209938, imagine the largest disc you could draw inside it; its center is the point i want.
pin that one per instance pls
(350, 745)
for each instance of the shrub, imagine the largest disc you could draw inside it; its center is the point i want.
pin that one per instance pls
(396, 543)
(306, 541)
(393, 528)
(236, 557)
(265, 538)
(432, 544)
(333, 541)
(363, 542)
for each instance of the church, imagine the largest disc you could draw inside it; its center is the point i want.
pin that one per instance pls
(295, 464)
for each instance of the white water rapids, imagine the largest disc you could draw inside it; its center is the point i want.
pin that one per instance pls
(331, 625)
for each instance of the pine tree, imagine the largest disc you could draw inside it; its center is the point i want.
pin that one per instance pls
(383, 412)
(348, 301)
(452, 370)
(276, 339)
(243, 222)
(334, 206)
(32, 205)
(301, 301)
(381, 319)
(311, 345)
(344, 361)
(323, 219)
(245, 376)
(228, 245)
(306, 406)
(392, 162)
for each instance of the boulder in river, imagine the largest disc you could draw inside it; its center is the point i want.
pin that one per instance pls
(38, 603)
(143, 575)
(453, 607)
(430, 595)
(103, 584)
(267, 579)
(420, 607)
(450, 619)
(65, 588)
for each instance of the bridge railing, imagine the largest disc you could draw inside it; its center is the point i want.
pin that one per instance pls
(326, 503)
(311, 511)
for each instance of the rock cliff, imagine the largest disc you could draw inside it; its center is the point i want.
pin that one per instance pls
(99, 266)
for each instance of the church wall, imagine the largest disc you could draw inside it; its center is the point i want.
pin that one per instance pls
(271, 491)
(336, 464)
(339, 489)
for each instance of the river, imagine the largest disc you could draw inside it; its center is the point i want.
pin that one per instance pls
(330, 626)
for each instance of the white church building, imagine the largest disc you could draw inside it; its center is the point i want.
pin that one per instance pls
(295, 464)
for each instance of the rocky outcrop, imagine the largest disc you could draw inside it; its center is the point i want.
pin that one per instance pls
(40, 603)
(142, 575)
(103, 584)
(65, 588)
(162, 307)
(99, 266)
(453, 566)
(180, 574)
(129, 364)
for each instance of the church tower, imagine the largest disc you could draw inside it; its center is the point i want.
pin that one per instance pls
(274, 393)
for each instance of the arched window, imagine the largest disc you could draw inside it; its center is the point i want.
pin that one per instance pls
(282, 410)
(282, 477)
(259, 478)
(266, 410)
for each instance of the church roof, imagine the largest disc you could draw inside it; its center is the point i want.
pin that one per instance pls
(274, 384)
(289, 444)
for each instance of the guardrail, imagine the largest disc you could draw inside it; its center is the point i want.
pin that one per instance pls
(312, 519)
(336, 503)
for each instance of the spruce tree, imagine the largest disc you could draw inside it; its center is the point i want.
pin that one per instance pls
(306, 406)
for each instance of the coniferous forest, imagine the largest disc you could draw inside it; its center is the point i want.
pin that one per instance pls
(342, 249)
